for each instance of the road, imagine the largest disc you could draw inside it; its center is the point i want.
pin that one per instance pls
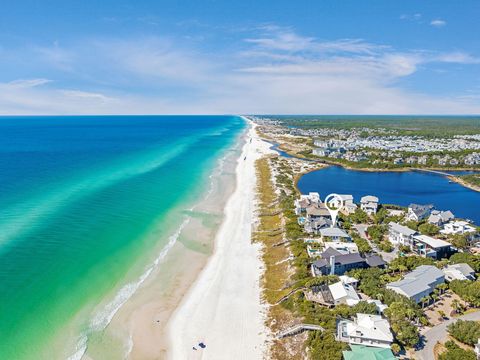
(362, 231)
(439, 333)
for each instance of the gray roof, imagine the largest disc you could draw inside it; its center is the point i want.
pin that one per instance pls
(342, 259)
(369, 198)
(419, 280)
(401, 229)
(320, 210)
(420, 210)
(374, 261)
(464, 268)
(334, 231)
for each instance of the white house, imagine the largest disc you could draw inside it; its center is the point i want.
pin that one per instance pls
(342, 247)
(459, 272)
(349, 206)
(367, 330)
(419, 212)
(343, 294)
(457, 227)
(369, 204)
(400, 235)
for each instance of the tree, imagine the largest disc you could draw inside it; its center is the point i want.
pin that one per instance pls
(467, 332)
(441, 314)
(359, 217)
(428, 229)
(455, 352)
(468, 290)
(460, 241)
(406, 333)
(396, 349)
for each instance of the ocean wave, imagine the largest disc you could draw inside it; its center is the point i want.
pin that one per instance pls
(101, 320)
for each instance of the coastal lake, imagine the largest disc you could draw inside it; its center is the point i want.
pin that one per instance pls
(401, 188)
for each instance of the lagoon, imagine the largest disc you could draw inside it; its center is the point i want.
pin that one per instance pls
(401, 188)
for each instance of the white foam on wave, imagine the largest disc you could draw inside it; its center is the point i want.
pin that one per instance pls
(101, 320)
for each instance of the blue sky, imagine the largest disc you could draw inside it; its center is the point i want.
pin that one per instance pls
(309, 57)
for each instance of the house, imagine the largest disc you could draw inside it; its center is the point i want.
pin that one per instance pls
(343, 294)
(334, 234)
(458, 227)
(419, 212)
(316, 211)
(367, 330)
(374, 260)
(334, 262)
(459, 272)
(342, 247)
(369, 204)
(427, 246)
(400, 235)
(313, 198)
(348, 280)
(439, 218)
(360, 352)
(418, 283)
(314, 226)
(349, 206)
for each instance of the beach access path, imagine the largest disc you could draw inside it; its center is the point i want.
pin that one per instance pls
(223, 309)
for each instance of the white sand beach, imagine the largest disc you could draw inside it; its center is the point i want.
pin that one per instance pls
(223, 307)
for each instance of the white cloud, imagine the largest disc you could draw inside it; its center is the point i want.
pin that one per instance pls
(438, 23)
(277, 71)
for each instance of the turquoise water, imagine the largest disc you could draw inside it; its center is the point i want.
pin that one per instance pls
(401, 188)
(82, 201)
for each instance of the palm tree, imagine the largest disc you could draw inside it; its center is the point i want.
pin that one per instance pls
(424, 300)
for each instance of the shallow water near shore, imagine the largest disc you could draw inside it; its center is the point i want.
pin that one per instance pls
(88, 205)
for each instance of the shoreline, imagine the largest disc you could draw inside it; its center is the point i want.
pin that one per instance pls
(138, 328)
(223, 308)
(464, 183)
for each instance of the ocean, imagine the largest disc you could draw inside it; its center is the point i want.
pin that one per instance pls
(400, 188)
(88, 206)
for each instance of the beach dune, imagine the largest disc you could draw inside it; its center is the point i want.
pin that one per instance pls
(223, 308)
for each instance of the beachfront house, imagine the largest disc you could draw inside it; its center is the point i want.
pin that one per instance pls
(459, 272)
(301, 204)
(314, 226)
(365, 329)
(360, 352)
(369, 204)
(439, 218)
(316, 211)
(349, 206)
(343, 293)
(333, 262)
(342, 247)
(400, 235)
(419, 212)
(334, 234)
(418, 283)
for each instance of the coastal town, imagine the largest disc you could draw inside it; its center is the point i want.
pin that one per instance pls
(378, 281)
(378, 147)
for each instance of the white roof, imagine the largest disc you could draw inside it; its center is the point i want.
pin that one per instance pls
(371, 327)
(340, 291)
(348, 279)
(346, 197)
(333, 231)
(434, 243)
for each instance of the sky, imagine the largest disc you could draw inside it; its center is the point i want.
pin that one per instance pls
(240, 57)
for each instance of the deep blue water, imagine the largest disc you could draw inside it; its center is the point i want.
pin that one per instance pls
(400, 188)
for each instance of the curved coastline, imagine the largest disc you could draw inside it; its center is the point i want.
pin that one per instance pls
(223, 308)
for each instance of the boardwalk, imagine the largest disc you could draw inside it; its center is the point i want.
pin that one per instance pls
(299, 328)
(433, 171)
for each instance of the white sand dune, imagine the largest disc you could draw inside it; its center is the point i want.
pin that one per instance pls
(223, 307)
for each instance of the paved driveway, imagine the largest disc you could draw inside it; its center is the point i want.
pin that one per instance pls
(362, 231)
(438, 334)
